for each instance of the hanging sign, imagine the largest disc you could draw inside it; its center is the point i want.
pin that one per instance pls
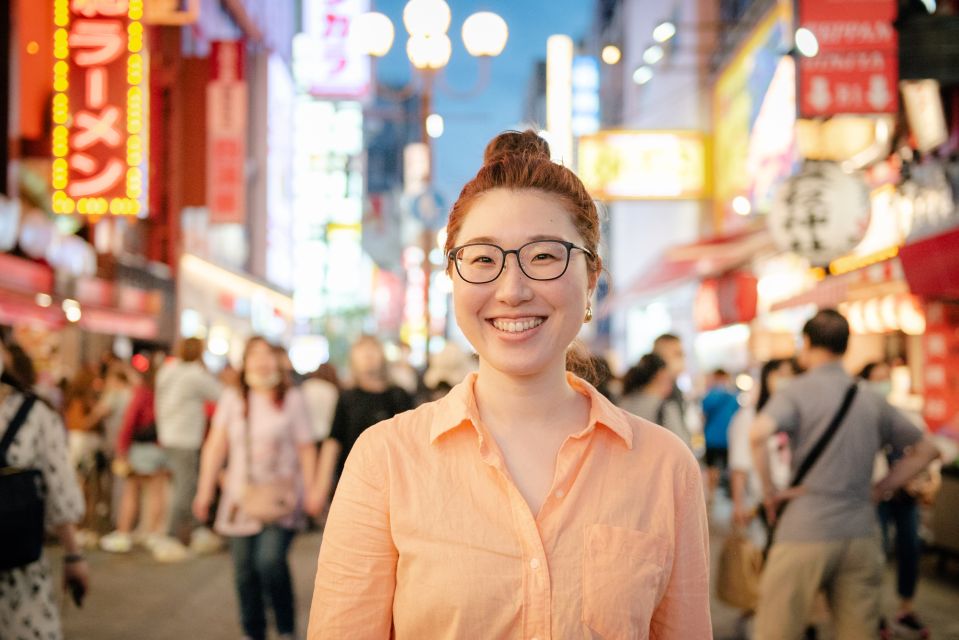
(226, 120)
(99, 107)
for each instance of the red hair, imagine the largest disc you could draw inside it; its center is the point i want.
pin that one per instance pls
(520, 160)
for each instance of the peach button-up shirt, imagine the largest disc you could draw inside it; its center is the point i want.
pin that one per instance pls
(428, 536)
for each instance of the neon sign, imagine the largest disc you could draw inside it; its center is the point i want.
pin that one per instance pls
(99, 107)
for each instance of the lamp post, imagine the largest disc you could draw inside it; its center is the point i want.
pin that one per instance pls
(429, 49)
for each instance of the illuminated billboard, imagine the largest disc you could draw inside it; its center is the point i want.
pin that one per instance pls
(644, 165)
(99, 107)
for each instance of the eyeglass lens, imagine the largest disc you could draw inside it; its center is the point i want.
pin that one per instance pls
(543, 260)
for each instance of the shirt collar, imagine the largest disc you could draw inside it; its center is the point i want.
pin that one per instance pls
(458, 409)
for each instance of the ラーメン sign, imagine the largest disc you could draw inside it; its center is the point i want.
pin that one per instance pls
(99, 107)
(644, 165)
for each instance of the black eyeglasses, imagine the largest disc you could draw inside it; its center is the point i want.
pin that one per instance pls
(479, 263)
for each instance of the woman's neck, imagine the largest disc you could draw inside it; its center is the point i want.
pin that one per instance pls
(506, 402)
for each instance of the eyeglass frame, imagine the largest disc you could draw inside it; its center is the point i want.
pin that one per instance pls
(451, 256)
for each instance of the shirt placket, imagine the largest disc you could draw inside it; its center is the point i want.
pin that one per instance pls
(536, 581)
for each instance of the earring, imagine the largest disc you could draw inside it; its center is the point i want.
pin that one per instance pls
(589, 314)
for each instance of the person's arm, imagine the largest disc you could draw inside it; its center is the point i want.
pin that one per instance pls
(303, 436)
(916, 459)
(683, 611)
(212, 458)
(207, 385)
(322, 483)
(356, 570)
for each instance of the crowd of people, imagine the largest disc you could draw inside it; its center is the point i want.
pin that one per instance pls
(526, 488)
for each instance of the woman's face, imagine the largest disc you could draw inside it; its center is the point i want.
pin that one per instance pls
(517, 325)
(779, 375)
(261, 361)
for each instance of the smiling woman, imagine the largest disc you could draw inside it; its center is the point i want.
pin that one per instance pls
(523, 503)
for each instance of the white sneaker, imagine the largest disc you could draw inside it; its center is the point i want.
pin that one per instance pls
(202, 540)
(168, 549)
(117, 542)
(151, 540)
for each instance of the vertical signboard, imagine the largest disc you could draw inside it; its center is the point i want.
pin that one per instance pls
(856, 69)
(559, 97)
(99, 107)
(326, 62)
(226, 125)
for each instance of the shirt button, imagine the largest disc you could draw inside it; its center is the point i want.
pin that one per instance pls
(534, 563)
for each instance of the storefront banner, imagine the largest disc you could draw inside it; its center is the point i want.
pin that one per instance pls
(326, 61)
(841, 25)
(99, 107)
(226, 126)
(729, 299)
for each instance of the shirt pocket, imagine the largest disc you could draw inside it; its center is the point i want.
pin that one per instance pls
(623, 576)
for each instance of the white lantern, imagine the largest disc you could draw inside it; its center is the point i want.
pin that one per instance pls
(372, 33)
(429, 52)
(485, 34)
(821, 214)
(426, 17)
(37, 233)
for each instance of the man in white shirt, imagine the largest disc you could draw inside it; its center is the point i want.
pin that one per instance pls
(183, 387)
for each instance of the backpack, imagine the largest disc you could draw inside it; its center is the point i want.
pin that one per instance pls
(22, 494)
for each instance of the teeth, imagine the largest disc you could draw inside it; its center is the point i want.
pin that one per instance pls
(511, 326)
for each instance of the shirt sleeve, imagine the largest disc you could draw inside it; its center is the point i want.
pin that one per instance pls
(356, 570)
(341, 419)
(208, 387)
(683, 611)
(228, 404)
(897, 430)
(783, 410)
(740, 455)
(64, 501)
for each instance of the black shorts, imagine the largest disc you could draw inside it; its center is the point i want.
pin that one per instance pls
(716, 457)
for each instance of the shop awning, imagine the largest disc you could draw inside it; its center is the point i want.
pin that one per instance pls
(880, 279)
(21, 308)
(931, 265)
(691, 262)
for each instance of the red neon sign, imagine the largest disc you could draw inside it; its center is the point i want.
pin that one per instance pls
(99, 141)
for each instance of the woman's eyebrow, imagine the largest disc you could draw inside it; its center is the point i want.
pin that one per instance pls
(535, 238)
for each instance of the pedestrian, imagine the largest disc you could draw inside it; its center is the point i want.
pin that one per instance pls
(647, 393)
(523, 503)
(262, 433)
(28, 598)
(720, 404)
(142, 464)
(83, 416)
(901, 513)
(670, 348)
(825, 538)
(183, 387)
(372, 399)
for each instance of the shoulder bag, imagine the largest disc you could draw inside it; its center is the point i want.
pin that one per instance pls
(22, 495)
(810, 461)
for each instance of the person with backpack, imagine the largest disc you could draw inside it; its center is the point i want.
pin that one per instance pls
(825, 535)
(38, 492)
(372, 399)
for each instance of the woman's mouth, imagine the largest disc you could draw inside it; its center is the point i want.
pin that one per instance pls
(516, 325)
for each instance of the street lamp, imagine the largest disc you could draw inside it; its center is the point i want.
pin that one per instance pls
(429, 49)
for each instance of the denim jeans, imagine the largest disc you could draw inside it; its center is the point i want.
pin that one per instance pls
(903, 513)
(260, 568)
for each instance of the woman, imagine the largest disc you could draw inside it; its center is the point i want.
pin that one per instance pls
(28, 599)
(84, 416)
(321, 390)
(372, 399)
(262, 432)
(523, 503)
(140, 460)
(743, 481)
(646, 388)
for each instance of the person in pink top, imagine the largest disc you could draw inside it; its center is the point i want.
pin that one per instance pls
(262, 432)
(523, 504)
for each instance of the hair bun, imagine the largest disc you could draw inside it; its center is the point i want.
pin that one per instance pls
(525, 143)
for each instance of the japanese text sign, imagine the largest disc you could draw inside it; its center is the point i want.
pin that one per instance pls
(327, 62)
(99, 107)
(226, 125)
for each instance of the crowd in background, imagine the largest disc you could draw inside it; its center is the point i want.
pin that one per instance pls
(168, 455)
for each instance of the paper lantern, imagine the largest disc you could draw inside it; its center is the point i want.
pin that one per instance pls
(822, 213)
(37, 233)
(9, 222)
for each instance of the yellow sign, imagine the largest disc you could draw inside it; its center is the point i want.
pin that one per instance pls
(645, 165)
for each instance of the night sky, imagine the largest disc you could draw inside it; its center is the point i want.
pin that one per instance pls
(471, 122)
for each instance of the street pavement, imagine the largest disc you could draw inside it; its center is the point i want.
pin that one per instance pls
(135, 598)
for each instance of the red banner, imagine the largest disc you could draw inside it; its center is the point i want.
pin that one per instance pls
(857, 82)
(226, 101)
